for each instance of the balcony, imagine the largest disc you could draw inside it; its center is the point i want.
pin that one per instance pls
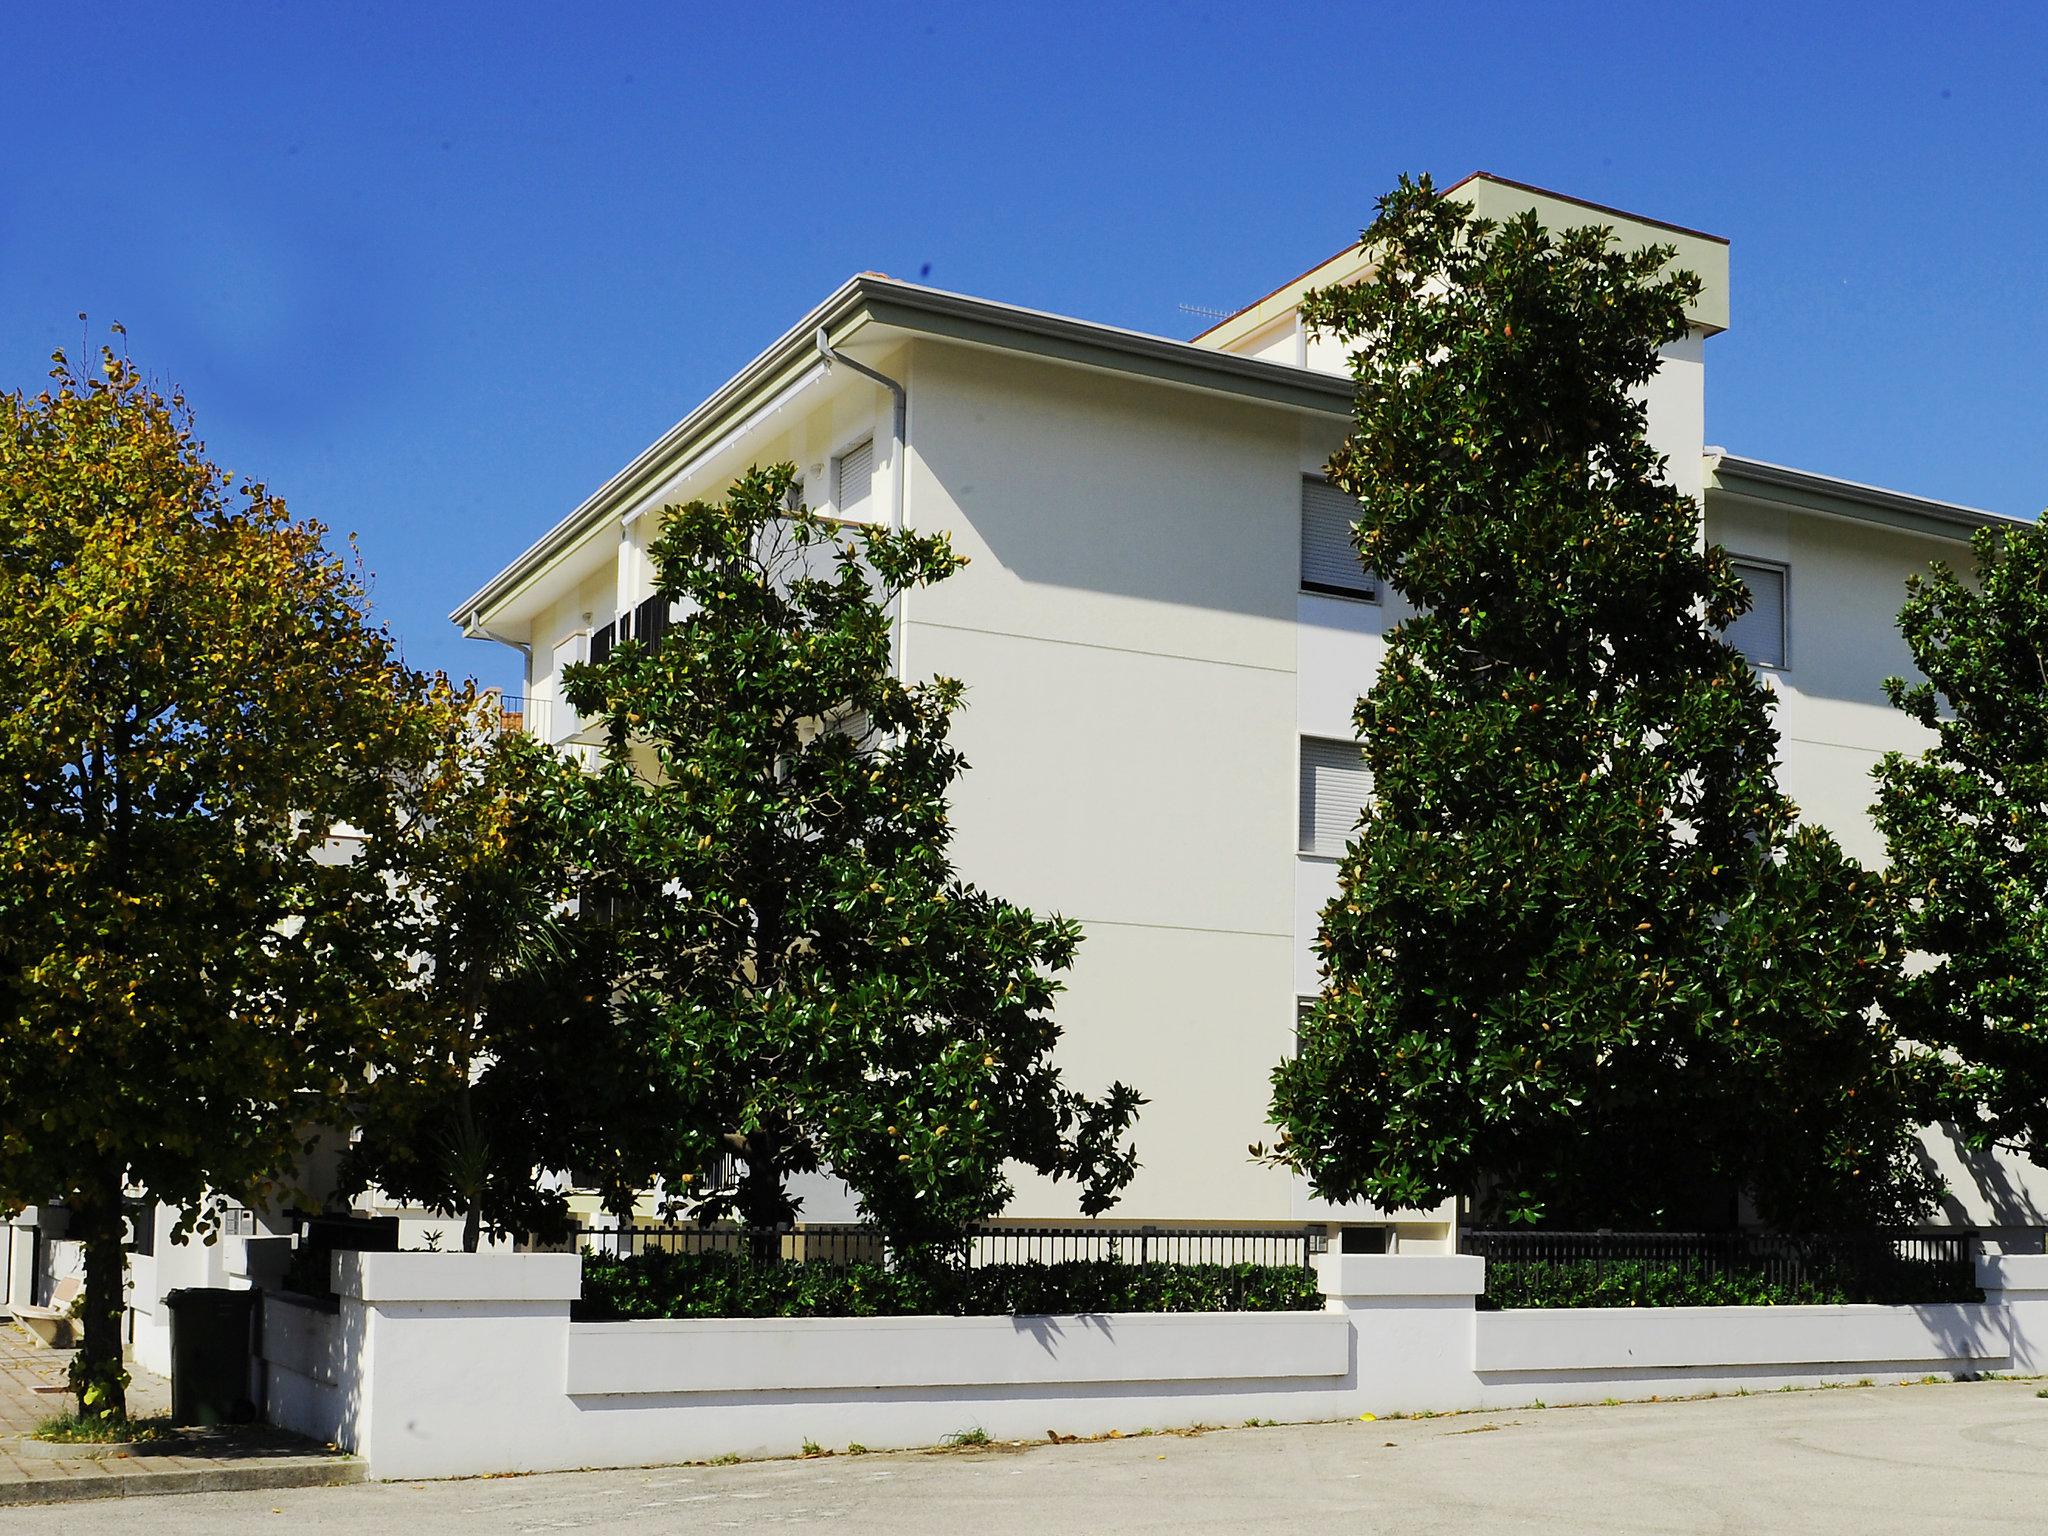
(553, 722)
(520, 716)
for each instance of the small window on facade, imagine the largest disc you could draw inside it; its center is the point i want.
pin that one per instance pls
(1333, 794)
(853, 481)
(1328, 562)
(1760, 633)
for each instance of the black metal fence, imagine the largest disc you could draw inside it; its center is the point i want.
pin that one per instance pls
(1918, 1266)
(1042, 1244)
(1277, 1246)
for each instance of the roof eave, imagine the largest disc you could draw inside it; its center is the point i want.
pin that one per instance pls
(651, 463)
(1803, 490)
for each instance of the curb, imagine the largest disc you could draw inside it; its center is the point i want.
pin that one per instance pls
(327, 1473)
(29, 1448)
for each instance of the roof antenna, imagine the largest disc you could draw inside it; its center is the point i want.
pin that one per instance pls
(1204, 311)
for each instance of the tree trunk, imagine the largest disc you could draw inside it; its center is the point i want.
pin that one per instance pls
(98, 1375)
(472, 1228)
(760, 1199)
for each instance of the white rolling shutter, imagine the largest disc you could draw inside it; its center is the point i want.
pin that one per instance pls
(1328, 562)
(1334, 788)
(853, 482)
(557, 720)
(1760, 633)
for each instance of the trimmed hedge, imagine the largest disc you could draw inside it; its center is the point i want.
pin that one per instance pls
(658, 1284)
(1646, 1283)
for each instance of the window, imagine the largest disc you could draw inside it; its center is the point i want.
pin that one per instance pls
(1333, 793)
(601, 642)
(1760, 633)
(853, 481)
(1329, 564)
(141, 1214)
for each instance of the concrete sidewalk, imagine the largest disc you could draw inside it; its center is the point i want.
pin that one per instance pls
(32, 1389)
(1889, 1461)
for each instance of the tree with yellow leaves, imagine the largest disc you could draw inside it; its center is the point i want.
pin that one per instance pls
(197, 721)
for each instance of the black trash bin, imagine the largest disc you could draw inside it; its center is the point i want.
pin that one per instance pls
(212, 1340)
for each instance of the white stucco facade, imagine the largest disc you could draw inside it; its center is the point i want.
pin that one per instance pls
(1142, 663)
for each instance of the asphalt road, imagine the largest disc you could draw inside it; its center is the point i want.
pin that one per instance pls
(1924, 1459)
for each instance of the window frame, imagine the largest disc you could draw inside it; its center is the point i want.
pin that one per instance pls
(835, 466)
(1784, 570)
(1374, 592)
(1301, 742)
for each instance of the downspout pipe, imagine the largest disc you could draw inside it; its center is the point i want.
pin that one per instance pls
(474, 630)
(899, 457)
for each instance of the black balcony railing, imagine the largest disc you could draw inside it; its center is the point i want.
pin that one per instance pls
(650, 620)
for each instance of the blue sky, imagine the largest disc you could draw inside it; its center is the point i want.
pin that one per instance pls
(433, 272)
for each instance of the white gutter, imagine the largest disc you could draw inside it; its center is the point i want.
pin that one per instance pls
(1779, 485)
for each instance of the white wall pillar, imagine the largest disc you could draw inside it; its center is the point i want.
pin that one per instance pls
(17, 1260)
(2018, 1283)
(459, 1359)
(1412, 1319)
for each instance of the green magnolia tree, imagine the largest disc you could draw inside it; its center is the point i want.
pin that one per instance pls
(1966, 825)
(769, 845)
(1582, 965)
(509, 1065)
(191, 702)
(477, 846)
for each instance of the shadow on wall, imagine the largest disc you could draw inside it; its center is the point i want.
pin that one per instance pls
(1845, 585)
(1115, 486)
(60, 1259)
(2001, 1193)
(310, 1365)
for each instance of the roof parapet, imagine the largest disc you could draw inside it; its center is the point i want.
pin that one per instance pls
(1496, 197)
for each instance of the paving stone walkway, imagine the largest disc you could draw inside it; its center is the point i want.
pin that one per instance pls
(195, 1461)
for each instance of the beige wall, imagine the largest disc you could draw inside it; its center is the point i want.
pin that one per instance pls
(1126, 631)
(1845, 582)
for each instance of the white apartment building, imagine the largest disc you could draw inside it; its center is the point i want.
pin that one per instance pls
(1163, 632)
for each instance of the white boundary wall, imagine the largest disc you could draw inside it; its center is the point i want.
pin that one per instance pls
(439, 1365)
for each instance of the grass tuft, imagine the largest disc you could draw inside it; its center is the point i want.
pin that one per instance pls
(66, 1430)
